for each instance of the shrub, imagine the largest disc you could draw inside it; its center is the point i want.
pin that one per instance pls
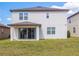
(68, 34)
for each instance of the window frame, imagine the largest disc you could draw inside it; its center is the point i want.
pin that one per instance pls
(23, 16)
(48, 30)
(74, 30)
(51, 30)
(69, 21)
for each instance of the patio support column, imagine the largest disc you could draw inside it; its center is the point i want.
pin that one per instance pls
(16, 33)
(11, 33)
(37, 33)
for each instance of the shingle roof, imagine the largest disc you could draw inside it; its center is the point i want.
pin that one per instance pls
(38, 8)
(2, 25)
(25, 24)
(73, 15)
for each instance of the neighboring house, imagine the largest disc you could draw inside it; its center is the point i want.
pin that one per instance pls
(73, 25)
(38, 23)
(4, 31)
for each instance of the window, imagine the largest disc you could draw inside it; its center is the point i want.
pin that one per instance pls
(47, 15)
(53, 30)
(23, 16)
(69, 21)
(74, 30)
(50, 30)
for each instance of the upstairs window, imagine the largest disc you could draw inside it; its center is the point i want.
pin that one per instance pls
(69, 21)
(47, 15)
(23, 16)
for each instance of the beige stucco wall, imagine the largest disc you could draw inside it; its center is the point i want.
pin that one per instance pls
(74, 23)
(56, 19)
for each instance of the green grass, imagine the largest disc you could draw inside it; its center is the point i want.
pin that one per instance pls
(58, 47)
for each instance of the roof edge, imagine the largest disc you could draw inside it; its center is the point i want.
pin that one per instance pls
(73, 15)
(26, 24)
(42, 9)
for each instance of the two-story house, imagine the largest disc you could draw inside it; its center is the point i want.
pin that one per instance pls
(38, 23)
(73, 25)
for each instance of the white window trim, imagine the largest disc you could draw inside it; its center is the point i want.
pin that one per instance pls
(51, 30)
(23, 15)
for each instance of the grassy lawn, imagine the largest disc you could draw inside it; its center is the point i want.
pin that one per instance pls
(62, 47)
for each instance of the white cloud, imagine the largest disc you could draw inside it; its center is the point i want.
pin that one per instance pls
(68, 5)
(8, 18)
(54, 6)
(70, 12)
(72, 6)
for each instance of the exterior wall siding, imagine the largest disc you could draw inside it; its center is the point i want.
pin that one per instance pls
(56, 19)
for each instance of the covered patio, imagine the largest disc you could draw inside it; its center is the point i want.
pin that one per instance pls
(24, 31)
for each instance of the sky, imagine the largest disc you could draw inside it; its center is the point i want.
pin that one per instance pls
(5, 7)
(5, 14)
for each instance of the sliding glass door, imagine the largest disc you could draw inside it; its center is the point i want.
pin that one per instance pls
(27, 33)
